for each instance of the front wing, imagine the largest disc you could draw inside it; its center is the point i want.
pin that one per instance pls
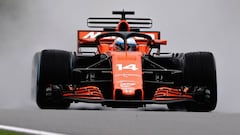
(163, 95)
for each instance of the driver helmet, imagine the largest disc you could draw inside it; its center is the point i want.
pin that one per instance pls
(130, 42)
(119, 43)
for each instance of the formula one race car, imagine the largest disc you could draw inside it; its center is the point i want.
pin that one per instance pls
(121, 66)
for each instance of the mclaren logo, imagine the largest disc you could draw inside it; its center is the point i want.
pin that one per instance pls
(92, 35)
(95, 34)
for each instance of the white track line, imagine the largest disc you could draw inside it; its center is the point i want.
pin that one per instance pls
(27, 131)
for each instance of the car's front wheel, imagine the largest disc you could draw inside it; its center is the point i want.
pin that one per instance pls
(200, 74)
(54, 71)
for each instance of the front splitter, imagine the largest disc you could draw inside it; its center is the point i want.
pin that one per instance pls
(110, 101)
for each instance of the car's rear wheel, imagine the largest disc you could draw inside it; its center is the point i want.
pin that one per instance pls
(200, 74)
(54, 70)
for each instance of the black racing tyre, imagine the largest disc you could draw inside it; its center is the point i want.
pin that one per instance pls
(54, 68)
(178, 63)
(178, 60)
(200, 73)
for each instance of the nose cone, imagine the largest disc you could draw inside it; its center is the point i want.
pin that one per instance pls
(127, 73)
(128, 92)
(128, 88)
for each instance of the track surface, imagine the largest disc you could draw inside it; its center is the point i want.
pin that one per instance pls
(122, 121)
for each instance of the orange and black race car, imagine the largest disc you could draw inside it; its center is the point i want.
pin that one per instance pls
(122, 66)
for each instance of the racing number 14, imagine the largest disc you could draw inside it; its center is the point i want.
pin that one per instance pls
(130, 66)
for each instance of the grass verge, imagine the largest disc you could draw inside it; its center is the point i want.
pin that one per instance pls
(6, 132)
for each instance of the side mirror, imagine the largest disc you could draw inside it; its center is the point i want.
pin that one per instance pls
(160, 42)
